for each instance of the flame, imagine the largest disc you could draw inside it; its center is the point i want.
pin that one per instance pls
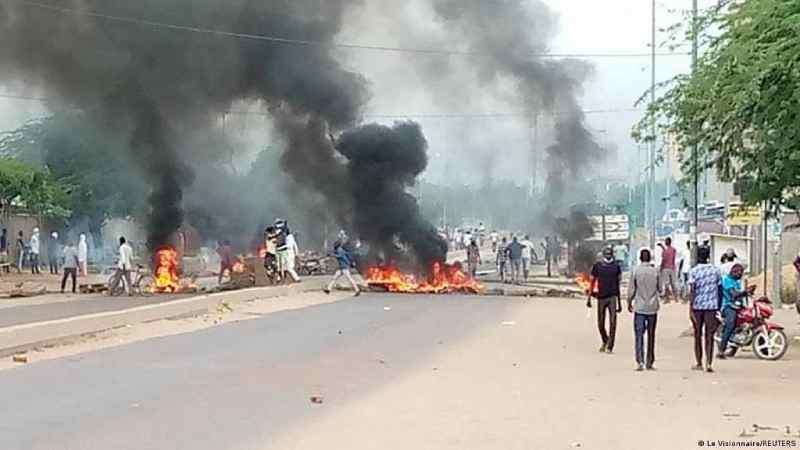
(584, 281)
(238, 267)
(166, 271)
(444, 279)
(262, 252)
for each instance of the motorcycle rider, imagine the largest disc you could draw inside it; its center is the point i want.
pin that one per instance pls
(733, 298)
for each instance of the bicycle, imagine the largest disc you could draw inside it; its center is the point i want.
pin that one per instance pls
(142, 282)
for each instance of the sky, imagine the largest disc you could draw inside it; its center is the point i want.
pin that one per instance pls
(474, 150)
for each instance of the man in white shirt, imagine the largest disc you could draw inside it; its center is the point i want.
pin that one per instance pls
(124, 266)
(684, 266)
(528, 254)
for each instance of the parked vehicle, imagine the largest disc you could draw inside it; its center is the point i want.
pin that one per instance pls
(753, 328)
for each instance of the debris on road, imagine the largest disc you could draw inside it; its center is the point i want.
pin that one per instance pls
(728, 414)
(576, 445)
(387, 308)
(20, 358)
(316, 399)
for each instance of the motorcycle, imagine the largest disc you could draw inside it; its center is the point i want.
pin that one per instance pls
(753, 328)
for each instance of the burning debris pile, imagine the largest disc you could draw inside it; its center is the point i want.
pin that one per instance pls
(575, 229)
(444, 279)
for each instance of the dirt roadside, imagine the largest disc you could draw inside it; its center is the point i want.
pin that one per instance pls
(536, 381)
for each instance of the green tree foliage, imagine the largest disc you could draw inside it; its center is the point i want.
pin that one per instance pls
(25, 186)
(89, 160)
(741, 108)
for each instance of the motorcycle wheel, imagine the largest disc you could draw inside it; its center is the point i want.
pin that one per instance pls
(770, 346)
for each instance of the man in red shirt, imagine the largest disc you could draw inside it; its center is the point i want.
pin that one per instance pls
(668, 274)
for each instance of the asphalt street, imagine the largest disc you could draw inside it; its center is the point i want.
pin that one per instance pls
(398, 372)
(75, 305)
(232, 386)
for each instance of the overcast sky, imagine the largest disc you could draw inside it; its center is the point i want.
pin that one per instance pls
(479, 147)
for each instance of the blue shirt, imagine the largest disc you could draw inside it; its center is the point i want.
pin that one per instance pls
(705, 280)
(730, 286)
(343, 257)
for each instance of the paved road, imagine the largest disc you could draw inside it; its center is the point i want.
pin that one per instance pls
(225, 387)
(432, 372)
(76, 306)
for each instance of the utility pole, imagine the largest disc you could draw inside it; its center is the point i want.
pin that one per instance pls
(652, 159)
(696, 219)
(534, 156)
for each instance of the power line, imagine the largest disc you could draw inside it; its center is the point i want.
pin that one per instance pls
(308, 43)
(457, 115)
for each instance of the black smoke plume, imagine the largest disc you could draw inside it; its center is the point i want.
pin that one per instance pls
(161, 85)
(383, 163)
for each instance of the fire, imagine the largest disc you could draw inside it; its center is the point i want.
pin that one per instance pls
(166, 270)
(238, 267)
(445, 279)
(262, 252)
(584, 281)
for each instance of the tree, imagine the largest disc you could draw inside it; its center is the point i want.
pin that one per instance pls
(89, 160)
(741, 106)
(25, 186)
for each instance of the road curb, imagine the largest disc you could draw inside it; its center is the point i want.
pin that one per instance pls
(27, 336)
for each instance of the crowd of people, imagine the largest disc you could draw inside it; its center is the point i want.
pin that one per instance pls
(713, 293)
(32, 253)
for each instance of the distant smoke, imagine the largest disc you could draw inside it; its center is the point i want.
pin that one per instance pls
(506, 36)
(383, 163)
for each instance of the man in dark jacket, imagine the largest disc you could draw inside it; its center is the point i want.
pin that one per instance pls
(607, 275)
(345, 261)
(515, 255)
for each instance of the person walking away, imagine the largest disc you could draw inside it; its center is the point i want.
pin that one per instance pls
(124, 266)
(621, 255)
(607, 276)
(684, 265)
(797, 278)
(225, 259)
(528, 255)
(494, 236)
(515, 250)
(83, 255)
(643, 296)
(71, 264)
(345, 261)
(282, 247)
(668, 275)
(53, 254)
(704, 283)
(35, 246)
(4, 249)
(502, 259)
(548, 254)
(473, 258)
(292, 250)
(733, 299)
(21, 248)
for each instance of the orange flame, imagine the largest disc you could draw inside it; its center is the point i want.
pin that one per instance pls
(262, 252)
(584, 281)
(445, 279)
(238, 267)
(166, 271)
